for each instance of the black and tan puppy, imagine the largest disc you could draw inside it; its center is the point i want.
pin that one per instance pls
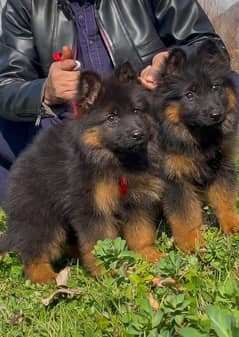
(196, 108)
(94, 178)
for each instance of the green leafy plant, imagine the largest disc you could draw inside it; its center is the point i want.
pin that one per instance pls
(223, 323)
(181, 296)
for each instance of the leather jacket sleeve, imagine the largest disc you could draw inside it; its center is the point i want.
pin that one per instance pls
(182, 22)
(20, 79)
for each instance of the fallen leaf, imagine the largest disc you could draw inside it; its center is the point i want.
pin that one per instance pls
(161, 283)
(59, 292)
(203, 250)
(63, 277)
(154, 304)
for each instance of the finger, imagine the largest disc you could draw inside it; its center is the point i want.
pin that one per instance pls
(66, 65)
(144, 71)
(69, 76)
(158, 59)
(148, 84)
(149, 74)
(67, 53)
(65, 94)
(69, 95)
(69, 86)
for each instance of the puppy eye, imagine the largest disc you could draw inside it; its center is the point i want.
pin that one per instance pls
(136, 110)
(111, 117)
(216, 87)
(189, 95)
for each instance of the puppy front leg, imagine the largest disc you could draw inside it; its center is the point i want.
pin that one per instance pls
(39, 270)
(183, 211)
(222, 195)
(37, 256)
(140, 234)
(98, 228)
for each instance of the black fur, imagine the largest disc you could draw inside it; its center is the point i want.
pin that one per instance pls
(53, 185)
(195, 105)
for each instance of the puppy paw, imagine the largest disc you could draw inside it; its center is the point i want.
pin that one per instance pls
(96, 270)
(230, 223)
(191, 241)
(41, 273)
(43, 279)
(151, 254)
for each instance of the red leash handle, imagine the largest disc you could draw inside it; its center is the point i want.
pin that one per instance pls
(57, 57)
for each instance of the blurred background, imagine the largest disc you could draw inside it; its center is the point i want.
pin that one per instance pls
(224, 14)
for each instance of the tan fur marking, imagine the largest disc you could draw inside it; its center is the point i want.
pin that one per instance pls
(40, 271)
(140, 234)
(232, 100)
(180, 166)
(89, 262)
(187, 238)
(92, 137)
(88, 259)
(172, 113)
(224, 202)
(107, 196)
(186, 226)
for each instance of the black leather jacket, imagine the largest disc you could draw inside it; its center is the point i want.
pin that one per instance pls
(135, 30)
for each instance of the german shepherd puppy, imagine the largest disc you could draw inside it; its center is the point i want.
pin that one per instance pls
(95, 178)
(196, 109)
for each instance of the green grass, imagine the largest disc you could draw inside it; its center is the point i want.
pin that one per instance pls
(201, 298)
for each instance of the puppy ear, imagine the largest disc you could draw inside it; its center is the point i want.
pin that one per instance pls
(211, 53)
(89, 89)
(174, 63)
(126, 73)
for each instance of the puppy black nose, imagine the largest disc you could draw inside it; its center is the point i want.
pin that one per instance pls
(216, 115)
(137, 135)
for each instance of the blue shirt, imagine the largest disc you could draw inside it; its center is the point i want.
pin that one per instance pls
(92, 52)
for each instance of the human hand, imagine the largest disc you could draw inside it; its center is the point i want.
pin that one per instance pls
(149, 75)
(62, 82)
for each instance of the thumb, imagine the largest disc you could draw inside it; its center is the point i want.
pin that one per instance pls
(67, 65)
(66, 53)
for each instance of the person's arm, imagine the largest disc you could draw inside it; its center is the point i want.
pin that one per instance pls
(22, 88)
(20, 85)
(179, 23)
(183, 23)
